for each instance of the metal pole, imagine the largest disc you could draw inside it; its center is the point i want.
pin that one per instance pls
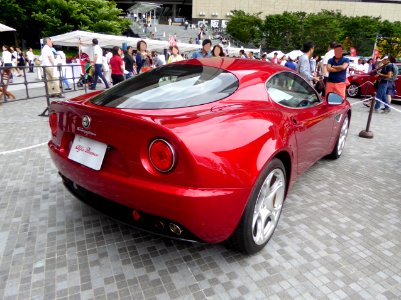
(45, 113)
(366, 133)
(26, 83)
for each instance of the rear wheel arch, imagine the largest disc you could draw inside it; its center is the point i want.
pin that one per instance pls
(285, 158)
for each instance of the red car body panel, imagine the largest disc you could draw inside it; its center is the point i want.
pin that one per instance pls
(221, 148)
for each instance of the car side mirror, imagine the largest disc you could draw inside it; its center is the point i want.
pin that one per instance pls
(334, 99)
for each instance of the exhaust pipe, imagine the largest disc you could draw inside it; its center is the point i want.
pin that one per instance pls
(175, 229)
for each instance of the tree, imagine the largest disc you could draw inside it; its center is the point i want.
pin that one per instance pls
(245, 27)
(34, 19)
(323, 28)
(283, 31)
(361, 32)
(389, 38)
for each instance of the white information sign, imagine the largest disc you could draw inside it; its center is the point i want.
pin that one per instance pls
(87, 152)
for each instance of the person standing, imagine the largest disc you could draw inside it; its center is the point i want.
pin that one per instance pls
(62, 64)
(205, 51)
(304, 67)
(385, 74)
(391, 87)
(5, 74)
(98, 62)
(108, 56)
(30, 57)
(242, 54)
(337, 67)
(329, 54)
(7, 57)
(175, 55)
(250, 55)
(218, 51)
(275, 59)
(290, 64)
(117, 66)
(143, 57)
(49, 62)
(20, 61)
(129, 63)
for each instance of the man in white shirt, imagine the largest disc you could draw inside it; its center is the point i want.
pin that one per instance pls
(98, 62)
(29, 57)
(49, 62)
(329, 54)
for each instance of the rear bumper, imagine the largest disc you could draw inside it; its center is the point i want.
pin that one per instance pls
(206, 215)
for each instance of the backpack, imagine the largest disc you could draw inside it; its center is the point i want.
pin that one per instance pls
(395, 72)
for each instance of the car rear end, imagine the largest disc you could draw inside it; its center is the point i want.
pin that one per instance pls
(113, 152)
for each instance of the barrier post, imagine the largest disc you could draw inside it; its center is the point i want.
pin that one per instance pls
(366, 133)
(45, 113)
(26, 83)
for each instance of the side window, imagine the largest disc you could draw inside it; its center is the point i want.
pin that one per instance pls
(289, 89)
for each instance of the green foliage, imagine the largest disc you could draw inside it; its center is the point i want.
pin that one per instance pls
(283, 31)
(245, 27)
(289, 30)
(361, 32)
(34, 19)
(322, 28)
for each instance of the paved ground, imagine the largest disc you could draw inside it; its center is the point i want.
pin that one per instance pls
(339, 236)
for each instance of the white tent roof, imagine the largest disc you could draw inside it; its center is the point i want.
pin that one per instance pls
(75, 38)
(84, 38)
(143, 7)
(6, 28)
(235, 51)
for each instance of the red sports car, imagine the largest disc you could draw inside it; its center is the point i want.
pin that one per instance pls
(202, 150)
(363, 84)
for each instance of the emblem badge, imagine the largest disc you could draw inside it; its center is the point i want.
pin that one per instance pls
(86, 122)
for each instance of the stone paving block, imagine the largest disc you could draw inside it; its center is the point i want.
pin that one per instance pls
(339, 236)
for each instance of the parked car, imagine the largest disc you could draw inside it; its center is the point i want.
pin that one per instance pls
(202, 150)
(363, 84)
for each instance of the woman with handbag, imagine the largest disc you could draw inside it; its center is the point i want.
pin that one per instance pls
(143, 57)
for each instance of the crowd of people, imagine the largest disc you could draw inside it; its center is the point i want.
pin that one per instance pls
(328, 73)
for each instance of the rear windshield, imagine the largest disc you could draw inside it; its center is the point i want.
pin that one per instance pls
(170, 86)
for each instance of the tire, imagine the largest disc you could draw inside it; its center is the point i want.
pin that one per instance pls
(260, 217)
(353, 90)
(342, 137)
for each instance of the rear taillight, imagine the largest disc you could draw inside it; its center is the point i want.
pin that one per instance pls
(162, 155)
(53, 123)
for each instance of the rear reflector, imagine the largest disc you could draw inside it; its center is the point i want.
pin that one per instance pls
(161, 155)
(53, 123)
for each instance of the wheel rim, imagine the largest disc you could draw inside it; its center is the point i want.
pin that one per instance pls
(268, 206)
(343, 136)
(352, 90)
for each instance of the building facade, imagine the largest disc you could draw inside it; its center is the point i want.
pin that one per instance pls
(216, 11)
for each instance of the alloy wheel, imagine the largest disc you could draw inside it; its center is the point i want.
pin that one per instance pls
(268, 206)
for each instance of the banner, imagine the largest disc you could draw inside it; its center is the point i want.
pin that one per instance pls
(172, 41)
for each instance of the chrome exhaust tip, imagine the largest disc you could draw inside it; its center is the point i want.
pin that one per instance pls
(175, 229)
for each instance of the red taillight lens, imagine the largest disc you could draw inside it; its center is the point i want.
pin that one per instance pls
(162, 155)
(53, 123)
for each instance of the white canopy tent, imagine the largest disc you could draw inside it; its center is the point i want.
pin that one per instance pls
(234, 51)
(294, 54)
(6, 28)
(280, 54)
(84, 38)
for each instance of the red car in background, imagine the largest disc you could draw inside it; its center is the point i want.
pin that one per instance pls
(202, 150)
(363, 84)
